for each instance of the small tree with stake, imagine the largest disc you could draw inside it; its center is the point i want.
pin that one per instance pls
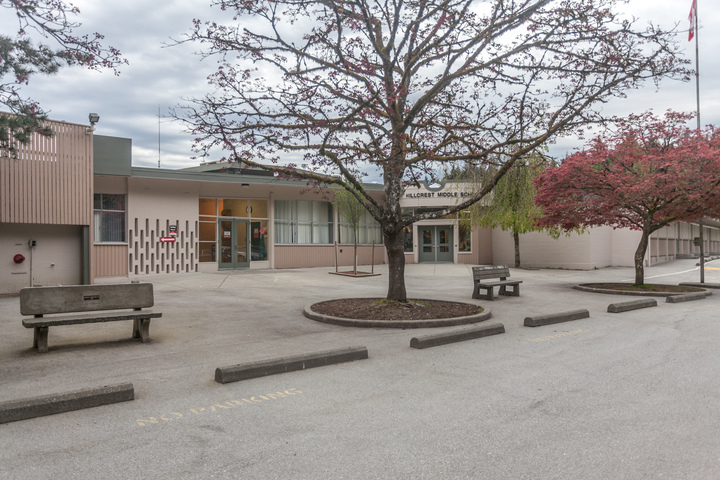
(649, 174)
(351, 210)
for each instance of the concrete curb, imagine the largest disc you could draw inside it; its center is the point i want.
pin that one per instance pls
(23, 409)
(585, 288)
(632, 305)
(700, 285)
(453, 337)
(435, 323)
(540, 320)
(687, 297)
(245, 371)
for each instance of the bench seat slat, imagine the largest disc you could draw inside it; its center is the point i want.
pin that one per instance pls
(502, 282)
(88, 318)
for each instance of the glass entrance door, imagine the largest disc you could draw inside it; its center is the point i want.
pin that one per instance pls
(436, 244)
(234, 242)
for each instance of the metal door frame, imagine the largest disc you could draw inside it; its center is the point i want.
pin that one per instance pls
(234, 262)
(435, 246)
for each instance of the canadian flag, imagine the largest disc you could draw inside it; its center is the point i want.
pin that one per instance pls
(692, 17)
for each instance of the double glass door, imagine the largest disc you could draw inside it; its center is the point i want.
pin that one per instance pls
(234, 242)
(436, 244)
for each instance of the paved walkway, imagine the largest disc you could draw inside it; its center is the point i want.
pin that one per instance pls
(614, 396)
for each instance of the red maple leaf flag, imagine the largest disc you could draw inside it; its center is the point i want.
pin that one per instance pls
(692, 18)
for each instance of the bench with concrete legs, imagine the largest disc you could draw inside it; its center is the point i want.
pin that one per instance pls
(498, 272)
(99, 300)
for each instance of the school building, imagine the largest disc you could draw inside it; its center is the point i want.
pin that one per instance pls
(73, 209)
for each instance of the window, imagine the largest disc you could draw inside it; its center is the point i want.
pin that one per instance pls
(368, 231)
(465, 232)
(254, 210)
(303, 222)
(408, 239)
(109, 217)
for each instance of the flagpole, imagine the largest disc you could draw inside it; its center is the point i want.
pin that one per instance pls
(697, 66)
(697, 97)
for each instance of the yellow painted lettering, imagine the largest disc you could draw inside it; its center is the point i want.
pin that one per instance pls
(197, 411)
(142, 423)
(252, 399)
(289, 392)
(217, 405)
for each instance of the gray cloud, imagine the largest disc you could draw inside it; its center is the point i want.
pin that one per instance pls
(161, 76)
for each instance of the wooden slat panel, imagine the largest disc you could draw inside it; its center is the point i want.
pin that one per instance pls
(51, 180)
(109, 261)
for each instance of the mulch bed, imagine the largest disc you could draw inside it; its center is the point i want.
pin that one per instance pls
(383, 309)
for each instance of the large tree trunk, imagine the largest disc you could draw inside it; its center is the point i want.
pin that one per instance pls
(516, 238)
(640, 258)
(396, 265)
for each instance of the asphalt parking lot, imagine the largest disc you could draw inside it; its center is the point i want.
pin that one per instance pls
(632, 395)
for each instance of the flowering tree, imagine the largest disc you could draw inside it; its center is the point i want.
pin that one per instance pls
(21, 58)
(650, 173)
(331, 90)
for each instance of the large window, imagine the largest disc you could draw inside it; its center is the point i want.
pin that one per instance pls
(303, 222)
(109, 218)
(408, 239)
(465, 232)
(254, 210)
(368, 231)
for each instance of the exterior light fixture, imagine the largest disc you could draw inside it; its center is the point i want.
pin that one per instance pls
(93, 118)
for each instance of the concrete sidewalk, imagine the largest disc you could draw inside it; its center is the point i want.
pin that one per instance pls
(209, 317)
(215, 319)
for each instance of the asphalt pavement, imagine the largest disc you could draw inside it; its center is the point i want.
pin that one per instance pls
(617, 395)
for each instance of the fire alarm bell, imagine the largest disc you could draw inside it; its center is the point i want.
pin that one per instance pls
(18, 258)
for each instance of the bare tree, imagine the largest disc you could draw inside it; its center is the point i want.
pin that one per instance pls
(407, 87)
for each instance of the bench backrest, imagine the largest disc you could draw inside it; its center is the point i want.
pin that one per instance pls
(85, 298)
(494, 271)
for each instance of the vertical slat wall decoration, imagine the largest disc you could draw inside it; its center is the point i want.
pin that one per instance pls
(150, 256)
(50, 180)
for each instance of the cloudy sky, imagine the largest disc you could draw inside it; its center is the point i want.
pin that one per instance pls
(159, 77)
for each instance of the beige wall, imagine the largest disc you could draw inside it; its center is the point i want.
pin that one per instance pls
(624, 244)
(153, 206)
(540, 250)
(55, 260)
(303, 256)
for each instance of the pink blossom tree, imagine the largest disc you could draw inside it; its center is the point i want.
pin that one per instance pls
(330, 91)
(650, 173)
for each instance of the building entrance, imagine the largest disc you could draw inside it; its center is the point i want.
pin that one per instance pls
(436, 244)
(234, 243)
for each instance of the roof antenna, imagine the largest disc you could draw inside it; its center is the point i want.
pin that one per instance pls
(158, 136)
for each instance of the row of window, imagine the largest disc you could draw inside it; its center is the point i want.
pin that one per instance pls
(297, 222)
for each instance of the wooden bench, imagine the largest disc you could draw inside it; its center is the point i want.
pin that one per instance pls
(98, 299)
(499, 272)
